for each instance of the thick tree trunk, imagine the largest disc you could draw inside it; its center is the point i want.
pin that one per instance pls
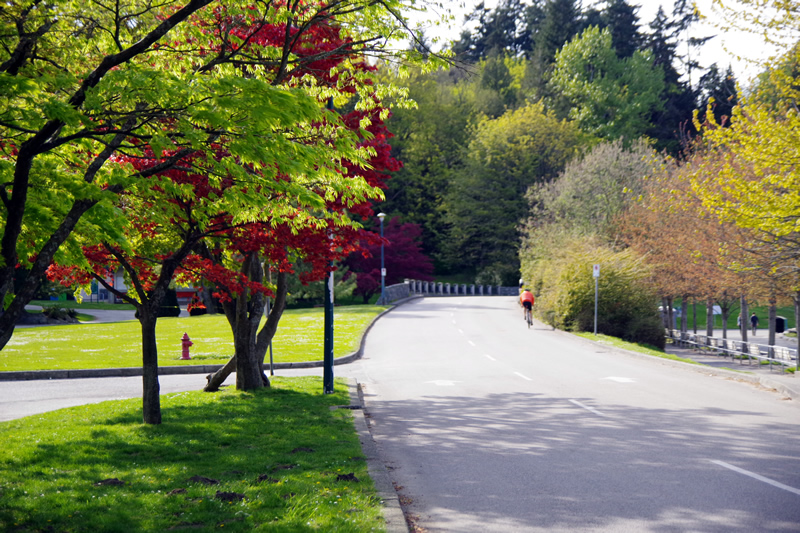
(249, 310)
(745, 322)
(694, 315)
(262, 338)
(151, 400)
(710, 317)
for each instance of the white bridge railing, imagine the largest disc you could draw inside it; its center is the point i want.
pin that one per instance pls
(413, 287)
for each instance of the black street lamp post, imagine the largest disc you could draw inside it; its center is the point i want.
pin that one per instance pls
(382, 299)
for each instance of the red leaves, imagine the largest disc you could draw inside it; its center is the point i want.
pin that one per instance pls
(403, 258)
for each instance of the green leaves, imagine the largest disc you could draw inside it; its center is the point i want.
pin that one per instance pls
(611, 98)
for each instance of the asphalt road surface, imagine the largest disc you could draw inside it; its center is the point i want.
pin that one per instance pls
(486, 425)
(489, 426)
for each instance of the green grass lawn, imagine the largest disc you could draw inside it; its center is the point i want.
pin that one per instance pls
(634, 347)
(82, 346)
(229, 461)
(761, 312)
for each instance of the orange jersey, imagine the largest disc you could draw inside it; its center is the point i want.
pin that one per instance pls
(526, 296)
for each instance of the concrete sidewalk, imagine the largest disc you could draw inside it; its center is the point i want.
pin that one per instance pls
(101, 316)
(770, 376)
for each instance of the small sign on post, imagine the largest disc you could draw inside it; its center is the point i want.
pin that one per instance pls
(596, 274)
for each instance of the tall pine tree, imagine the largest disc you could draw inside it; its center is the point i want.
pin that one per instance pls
(623, 22)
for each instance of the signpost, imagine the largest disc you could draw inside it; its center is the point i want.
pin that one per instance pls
(596, 274)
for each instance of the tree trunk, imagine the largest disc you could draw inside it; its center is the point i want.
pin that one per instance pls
(262, 339)
(694, 315)
(249, 310)
(151, 400)
(745, 320)
(773, 313)
(215, 380)
(684, 314)
(710, 317)
(208, 300)
(670, 316)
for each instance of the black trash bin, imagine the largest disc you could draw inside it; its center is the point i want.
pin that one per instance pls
(780, 324)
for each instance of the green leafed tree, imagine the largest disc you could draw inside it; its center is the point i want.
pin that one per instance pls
(487, 199)
(85, 83)
(611, 98)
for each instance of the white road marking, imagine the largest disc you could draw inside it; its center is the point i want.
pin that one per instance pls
(472, 343)
(592, 409)
(489, 357)
(461, 331)
(756, 476)
(621, 380)
(443, 382)
(523, 376)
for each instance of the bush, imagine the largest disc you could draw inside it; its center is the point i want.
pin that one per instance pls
(169, 306)
(561, 275)
(498, 274)
(59, 313)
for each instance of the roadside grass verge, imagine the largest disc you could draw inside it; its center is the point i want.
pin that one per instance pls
(633, 347)
(232, 461)
(83, 346)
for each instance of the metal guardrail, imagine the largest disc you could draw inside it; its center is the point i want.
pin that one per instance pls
(736, 349)
(434, 288)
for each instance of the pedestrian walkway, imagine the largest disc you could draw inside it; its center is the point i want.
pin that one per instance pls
(101, 316)
(771, 375)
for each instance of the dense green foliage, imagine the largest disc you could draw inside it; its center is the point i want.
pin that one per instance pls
(599, 67)
(508, 155)
(609, 97)
(558, 267)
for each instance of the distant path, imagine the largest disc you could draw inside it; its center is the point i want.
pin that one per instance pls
(101, 316)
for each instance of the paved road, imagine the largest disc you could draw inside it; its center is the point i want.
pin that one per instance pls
(489, 426)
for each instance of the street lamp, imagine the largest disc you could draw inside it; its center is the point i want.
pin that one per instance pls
(382, 299)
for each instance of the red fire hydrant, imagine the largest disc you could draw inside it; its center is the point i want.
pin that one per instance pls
(185, 342)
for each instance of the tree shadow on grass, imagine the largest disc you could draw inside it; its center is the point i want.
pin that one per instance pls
(271, 455)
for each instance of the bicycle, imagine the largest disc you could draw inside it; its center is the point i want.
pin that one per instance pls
(528, 317)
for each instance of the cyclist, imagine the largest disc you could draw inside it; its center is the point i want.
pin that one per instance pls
(526, 299)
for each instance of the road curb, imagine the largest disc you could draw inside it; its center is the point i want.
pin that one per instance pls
(394, 518)
(792, 392)
(29, 375)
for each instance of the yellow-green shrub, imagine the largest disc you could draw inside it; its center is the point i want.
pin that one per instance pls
(557, 265)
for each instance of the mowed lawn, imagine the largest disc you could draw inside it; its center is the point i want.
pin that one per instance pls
(81, 346)
(277, 459)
